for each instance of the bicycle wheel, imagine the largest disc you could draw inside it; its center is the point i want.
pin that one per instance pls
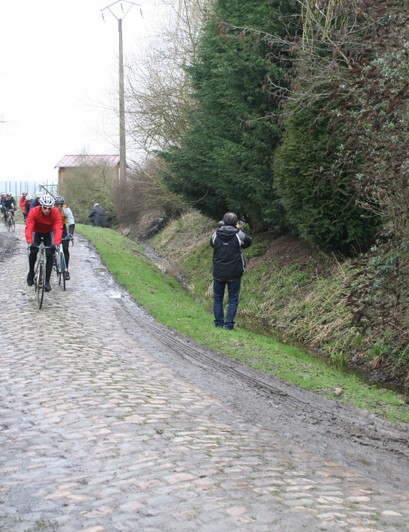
(13, 225)
(8, 224)
(62, 269)
(56, 266)
(39, 285)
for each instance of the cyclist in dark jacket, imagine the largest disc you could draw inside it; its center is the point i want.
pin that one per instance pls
(228, 267)
(35, 202)
(9, 204)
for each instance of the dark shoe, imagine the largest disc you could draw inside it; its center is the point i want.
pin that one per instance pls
(67, 276)
(47, 286)
(30, 279)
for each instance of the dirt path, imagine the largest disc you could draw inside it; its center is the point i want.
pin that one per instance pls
(109, 420)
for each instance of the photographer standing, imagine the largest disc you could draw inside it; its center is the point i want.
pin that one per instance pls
(97, 215)
(228, 267)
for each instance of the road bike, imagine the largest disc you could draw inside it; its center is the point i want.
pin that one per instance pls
(10, 223)
(39, 274)
(60, 266)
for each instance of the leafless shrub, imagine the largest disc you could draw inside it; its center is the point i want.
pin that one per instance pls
(143, 195)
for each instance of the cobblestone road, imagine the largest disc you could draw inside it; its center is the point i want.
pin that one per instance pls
(98, 434)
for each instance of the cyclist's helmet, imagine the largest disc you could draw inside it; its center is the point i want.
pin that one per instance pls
(47, 200)
(24, 193)
(59, 200)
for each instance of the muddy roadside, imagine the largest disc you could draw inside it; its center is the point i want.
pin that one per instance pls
(344, 434)
(7, 244)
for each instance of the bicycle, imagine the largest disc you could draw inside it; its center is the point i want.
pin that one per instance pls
(39, 273)
(10, 223)
(60, 265)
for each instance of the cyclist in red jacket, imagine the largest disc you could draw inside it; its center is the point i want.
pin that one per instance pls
(43, 222)
(23, 202)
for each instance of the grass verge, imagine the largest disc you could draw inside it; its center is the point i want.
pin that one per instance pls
(169, 303)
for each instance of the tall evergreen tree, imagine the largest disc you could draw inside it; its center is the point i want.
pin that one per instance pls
(316, 192)
(224, 161)
(316, 177)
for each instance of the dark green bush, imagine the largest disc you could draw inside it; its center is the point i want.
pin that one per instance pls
(318, 197)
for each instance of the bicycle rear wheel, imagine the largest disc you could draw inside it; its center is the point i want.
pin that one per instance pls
(39, 285)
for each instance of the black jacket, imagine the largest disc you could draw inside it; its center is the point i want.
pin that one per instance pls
(228, 259)
(97, 216)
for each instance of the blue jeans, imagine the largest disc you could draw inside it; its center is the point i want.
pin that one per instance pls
(233, 288)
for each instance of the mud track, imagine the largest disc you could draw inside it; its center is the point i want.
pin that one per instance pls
(348, 435)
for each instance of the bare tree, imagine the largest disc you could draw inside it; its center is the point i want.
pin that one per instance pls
(158, 95)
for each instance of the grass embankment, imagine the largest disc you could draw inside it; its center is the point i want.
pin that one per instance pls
(169, 303)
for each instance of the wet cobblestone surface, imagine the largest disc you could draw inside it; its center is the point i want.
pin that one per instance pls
(99, 434)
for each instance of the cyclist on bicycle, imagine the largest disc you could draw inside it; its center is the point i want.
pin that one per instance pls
(9, 205)
(27, 207)
(2, 203)
(43, 222)
(35, 201)
(23, 204)
(67, 235)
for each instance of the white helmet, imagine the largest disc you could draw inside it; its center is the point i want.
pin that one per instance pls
(47, 200)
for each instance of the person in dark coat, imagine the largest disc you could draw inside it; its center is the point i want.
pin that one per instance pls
(97, 215)
(35, 202)
(228, 267)
(8, 204)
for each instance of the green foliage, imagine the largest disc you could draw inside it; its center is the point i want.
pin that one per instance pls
(379, 296)
(200, 260)
(296, 293)
(376, 126)
(340, 168)
(258, 247)
(339, 360)
(224, 161)
(339, 173)
(319, 201)
(88, 185)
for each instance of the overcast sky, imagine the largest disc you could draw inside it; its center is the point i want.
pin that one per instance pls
(58, 68)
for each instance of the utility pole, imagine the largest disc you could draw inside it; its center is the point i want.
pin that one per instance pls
(122, 129)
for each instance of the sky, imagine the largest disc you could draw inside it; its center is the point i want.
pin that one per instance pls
(58, 77)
